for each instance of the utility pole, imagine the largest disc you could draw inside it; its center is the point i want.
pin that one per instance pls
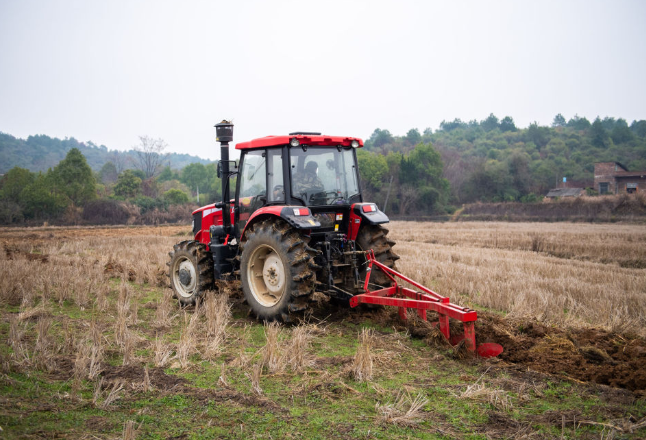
(388, 193)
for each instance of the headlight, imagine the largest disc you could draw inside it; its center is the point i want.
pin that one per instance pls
(355, 144)
(294, 142)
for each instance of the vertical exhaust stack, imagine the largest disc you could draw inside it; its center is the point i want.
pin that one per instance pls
(223, 251)
(224, 135)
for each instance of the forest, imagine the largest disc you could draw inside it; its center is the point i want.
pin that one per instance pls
(41, 152)
(493, 160)
(430, 173)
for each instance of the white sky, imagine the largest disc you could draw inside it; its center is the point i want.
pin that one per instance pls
(108, 71)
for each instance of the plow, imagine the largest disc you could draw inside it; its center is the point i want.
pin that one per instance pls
(421, 301)
(297, 223)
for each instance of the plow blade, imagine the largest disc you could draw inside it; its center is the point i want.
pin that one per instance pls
(422, 300)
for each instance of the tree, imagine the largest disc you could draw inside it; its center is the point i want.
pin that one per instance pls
(413, 137)
(518, 166)
(578, 123)
(108, 173)
(40, 198)
(128, 185)
(14, 182)
(538, 135)
(639, 128)
(74, 178)
(194, 175)
(599, 134)
(490, 123)
(379, 138)
(167, 174)
(149, 155)
(507, 124)
(120, 161)
(621, 133)
(422, 170)
(559, 121)
(373, 170)
(175, 197)
(452, 125)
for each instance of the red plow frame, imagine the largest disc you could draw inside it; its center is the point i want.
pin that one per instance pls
(423, 300)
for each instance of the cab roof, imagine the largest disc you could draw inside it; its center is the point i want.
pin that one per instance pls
(309, 140)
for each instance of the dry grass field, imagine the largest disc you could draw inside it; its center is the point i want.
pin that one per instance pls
(586, 275)
(93, 346)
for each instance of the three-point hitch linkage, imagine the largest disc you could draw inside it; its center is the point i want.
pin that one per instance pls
(423, 300)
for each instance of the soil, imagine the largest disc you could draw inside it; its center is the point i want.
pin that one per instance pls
(584, 354)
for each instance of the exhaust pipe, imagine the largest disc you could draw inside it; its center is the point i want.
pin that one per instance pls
(224, 135)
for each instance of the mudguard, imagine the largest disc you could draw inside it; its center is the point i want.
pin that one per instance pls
(298, 217)
(364, 213)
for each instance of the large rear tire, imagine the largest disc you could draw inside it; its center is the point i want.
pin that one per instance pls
(190, 271)
(276, 270)
(375, 238)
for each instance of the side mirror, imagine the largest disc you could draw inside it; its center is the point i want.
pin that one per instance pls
(233, 168)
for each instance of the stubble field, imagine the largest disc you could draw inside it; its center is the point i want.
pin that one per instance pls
(92, 346)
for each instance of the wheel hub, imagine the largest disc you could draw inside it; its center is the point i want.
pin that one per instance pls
(184, 277)
(266, 276)
(273, 273)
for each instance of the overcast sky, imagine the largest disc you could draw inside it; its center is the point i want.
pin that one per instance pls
(109, 71)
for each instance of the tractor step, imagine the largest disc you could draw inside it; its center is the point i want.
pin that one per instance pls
(423, 299)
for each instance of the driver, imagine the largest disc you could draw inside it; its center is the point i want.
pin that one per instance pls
(278, 193)
(308, 181)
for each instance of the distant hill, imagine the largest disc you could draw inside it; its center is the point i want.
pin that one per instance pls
(40, 152)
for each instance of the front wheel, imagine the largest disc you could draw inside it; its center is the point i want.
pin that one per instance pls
(275, 270)
(190, 271)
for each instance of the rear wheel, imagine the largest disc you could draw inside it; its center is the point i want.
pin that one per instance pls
(276, 270)
(190, 271)
(375, 238)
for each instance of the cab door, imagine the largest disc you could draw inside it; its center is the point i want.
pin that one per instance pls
(252, 186)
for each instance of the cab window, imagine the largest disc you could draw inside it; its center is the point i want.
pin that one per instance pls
(253, 185)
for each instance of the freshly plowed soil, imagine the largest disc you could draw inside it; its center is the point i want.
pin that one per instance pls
(590, 355)
(583, 354)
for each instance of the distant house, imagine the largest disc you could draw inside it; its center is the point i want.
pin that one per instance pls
(565, 192)
(614, 178)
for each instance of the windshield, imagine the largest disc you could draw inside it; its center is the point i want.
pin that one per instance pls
(323, 176)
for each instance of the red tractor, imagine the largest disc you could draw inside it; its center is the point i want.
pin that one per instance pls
(298, 224)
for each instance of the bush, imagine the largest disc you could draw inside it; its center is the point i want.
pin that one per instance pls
(148, 204)
(175, 197)
(105, 212)
(10, 212)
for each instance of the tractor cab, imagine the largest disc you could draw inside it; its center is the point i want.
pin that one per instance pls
(301, 170)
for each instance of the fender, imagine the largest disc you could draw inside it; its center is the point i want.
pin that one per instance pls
(364, 213)
(298, 217)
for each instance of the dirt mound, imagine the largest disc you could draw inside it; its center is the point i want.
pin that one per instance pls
(135, 374)
(15, 252)
(591, 355)
(115, 270)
